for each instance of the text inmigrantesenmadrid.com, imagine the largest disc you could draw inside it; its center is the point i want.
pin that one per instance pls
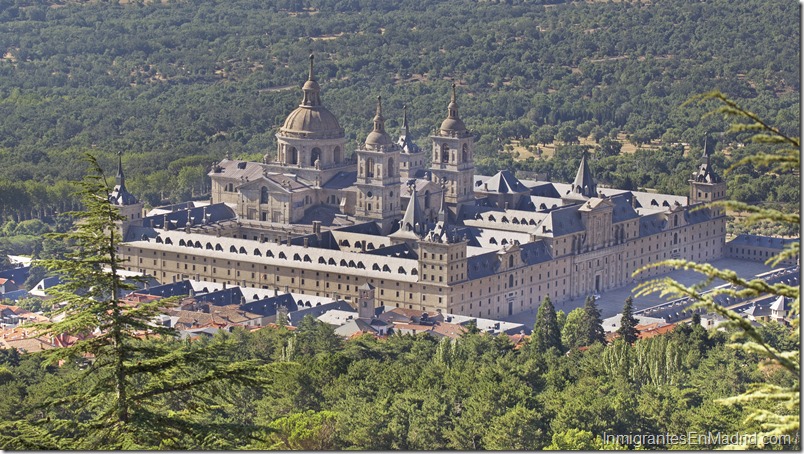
(698, 438)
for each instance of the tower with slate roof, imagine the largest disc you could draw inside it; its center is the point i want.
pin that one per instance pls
(127, 205)
(706, 185)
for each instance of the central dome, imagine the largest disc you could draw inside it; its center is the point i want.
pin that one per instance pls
(311, 120)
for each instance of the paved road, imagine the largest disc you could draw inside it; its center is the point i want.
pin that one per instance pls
(611, 302)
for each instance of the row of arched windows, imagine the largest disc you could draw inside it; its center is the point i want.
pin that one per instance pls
(296, 257)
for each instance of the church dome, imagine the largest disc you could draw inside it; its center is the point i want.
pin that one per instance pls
(378, 138)
(453, 122)
(311, 120)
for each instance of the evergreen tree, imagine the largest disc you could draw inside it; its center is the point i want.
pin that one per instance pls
(628, 322)
(546, 332)
(594, 324)
(135, 393)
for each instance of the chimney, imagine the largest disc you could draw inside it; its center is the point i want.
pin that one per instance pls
(506, 205)
(486, 187)
(306, 242)
(165, 223)
(204, 216)
(276, 291)
(317, 227)
(262, 238)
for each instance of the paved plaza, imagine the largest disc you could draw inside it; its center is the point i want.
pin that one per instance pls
(611, 302)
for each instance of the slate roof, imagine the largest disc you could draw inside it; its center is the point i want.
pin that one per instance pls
(762, 241)
(18, 275)
(561, 221)
(341, 180)
(178, 219)
(237, 170)
(503, 182)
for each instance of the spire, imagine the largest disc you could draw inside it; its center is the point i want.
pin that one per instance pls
(453, 122)
(379, 121)
(584, 184)
(405, 119)
(378, 139)
(453, 105)
(120, 195)
(442, 212)
(706, 174)
(311, 88)
(120, 179)
(413, 220)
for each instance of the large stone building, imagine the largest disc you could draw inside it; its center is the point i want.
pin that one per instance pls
(312, 219)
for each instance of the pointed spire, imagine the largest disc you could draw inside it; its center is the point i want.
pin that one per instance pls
(405, 119)
(120, 179)
(311, 88)
(442, 212)
(413, 220)
(453, 122)
(705, 172)
(453, 104)
(584, 184)
(379, 120)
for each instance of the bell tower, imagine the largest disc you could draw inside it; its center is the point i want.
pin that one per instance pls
(378, 182)
(453, 160)
(127, 205)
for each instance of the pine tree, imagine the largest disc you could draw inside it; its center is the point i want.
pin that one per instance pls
(135, 393)
(546, 332)
(628, 322)
(594, 324)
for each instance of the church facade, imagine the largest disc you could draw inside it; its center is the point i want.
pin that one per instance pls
(309, 219)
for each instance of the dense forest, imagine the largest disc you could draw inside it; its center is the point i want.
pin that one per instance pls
(177, 85)
(418, 393)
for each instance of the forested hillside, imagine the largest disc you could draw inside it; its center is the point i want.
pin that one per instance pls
(176, 86)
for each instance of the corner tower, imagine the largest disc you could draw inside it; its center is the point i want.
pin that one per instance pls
(378, 183)
(706, 185)
(127, 205)
(453, 158)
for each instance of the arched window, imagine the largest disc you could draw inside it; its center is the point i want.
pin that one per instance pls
(465, 153)
(492, 218)
(510, 261)
(159, 239)
(492, 240)
(293, 156)
(257, 252)
(315, 155)
(510, 281)
(515, 221)
(336, 154)
(505, 219)
(444, 153)
(414, 272)
(675, 238)
(532, 222)
(233, 249)
(369, 172)
(675, 221)
(426, 199)
(390, 171)
(264, 195)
